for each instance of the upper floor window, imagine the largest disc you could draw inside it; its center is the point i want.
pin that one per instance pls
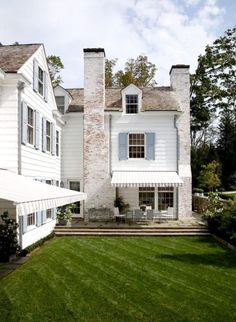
(40, 81)
(57, 143)
(60, 100)
(136, 145)
(131, 104)
(30, 126)
(48, 136)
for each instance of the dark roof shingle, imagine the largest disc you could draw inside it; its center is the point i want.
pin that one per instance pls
(153, 99)
(12, 57)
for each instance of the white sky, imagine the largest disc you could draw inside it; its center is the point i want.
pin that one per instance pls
(168, 31)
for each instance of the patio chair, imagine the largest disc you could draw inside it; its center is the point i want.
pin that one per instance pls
(156, 215)
(149, 214)
(169, 214)
(129, 216)
(138, 215)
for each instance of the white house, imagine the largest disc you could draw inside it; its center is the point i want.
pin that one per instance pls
(30, 142)
(133, 142)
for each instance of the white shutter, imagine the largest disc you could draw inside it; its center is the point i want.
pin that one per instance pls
(53, 139)
(35, 75)
(37, 129)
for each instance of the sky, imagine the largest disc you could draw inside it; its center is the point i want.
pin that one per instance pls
(169, 32)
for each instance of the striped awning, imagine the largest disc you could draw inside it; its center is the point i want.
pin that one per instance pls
(145, 179)
(30, 196)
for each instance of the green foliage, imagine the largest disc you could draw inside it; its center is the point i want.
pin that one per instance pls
(215, 205)
(123, 206)
(198, 190)
(55, 66)
(37, 244)
(65, 212)
(208, 177)
(8, 236)
(139, 72)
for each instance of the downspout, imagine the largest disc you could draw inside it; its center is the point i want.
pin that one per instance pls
(177, 164)
(20, 87)
(110, 154)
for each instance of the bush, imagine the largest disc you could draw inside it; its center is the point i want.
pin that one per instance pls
(8, 237)
(119, 202)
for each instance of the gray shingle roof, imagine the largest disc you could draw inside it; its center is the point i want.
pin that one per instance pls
(153, 99)
(12, 57)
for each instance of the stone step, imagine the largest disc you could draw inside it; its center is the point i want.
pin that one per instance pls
(120, 227)
(130, 233)
(204, 229)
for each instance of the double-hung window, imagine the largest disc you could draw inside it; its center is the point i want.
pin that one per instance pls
(131, 104)
(48, 136)
(40, 81)
(136, 145)
(57, 143)
(31, 219)
(30, 126)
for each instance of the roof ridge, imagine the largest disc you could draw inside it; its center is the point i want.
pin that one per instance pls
(11, 45)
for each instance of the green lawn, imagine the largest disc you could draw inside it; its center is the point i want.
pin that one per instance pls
(123, 279)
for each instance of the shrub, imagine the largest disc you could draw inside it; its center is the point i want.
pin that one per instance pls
(8, 237)
(65, 212)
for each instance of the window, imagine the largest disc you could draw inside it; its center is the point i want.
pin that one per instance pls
(31, 219)
(147, 196)
(49, 213)
(48, 181)
(48, 136)
(57, 143)
(60, 100)
(40, 81)
(75, 185)
(136, 145)
(30, 126)
(165, 198)
(131, 104)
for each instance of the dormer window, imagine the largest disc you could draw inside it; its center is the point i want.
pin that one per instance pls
(131, 100)
(131, 104)
(40, 81)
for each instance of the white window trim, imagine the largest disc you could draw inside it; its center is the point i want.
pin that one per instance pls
(131, 90)
(30, 227)
(144, 158)
(49, 136)
(33, 127)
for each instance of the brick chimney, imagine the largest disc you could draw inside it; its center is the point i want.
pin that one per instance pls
(97, 180)
(180, 82)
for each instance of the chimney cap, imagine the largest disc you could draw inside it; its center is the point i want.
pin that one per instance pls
(178, 66)
(94, 50)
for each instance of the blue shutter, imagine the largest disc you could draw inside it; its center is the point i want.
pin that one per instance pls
(24, 224)
(54, 213)
(24, 122)
(53, 139)
(150, 146)
(44, 216)
(38, 218)
(37, 126)
(45, 83)
(123, 146)
(35, 75)
(44, 143)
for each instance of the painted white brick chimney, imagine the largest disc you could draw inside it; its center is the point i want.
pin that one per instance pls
(180, 82)
(97, 180)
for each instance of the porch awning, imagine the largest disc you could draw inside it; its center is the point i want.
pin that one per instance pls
(145, 179)
(30, 196)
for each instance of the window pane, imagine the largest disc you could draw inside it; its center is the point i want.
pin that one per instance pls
(75, 185)
(136, 145)
(131, 104)
(147, 196)
(165, 198)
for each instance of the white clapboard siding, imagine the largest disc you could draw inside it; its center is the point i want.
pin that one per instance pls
(165, 147)
(9, 127)
(72, 147)
(36, 163)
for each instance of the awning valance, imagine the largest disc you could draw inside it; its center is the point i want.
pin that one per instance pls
(145, 179)
(30, 196)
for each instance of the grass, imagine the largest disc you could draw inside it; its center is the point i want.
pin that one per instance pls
(123, 279)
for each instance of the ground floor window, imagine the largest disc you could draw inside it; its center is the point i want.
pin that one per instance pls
(31, 219)
(147, 196)
(165, 198)
(49, 213)
(75, 185)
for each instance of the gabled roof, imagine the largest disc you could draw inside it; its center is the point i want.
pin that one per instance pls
(153, 99)
(12, 57)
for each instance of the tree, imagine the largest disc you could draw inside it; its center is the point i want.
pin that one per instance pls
(208, 177)
(139, 72)
(213, 86)
(55, 66)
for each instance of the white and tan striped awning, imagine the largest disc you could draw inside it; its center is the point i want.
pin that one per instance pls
(145, 179)
(30, 196)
